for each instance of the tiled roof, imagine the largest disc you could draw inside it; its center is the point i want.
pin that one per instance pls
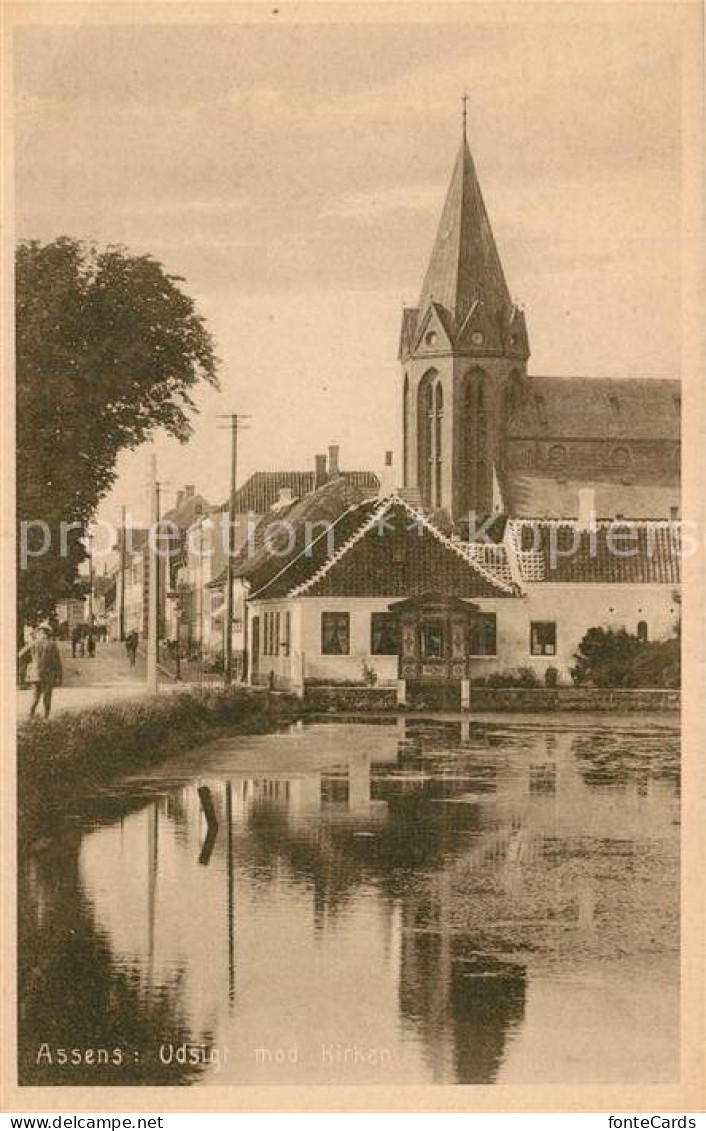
(490, 569)
(324, 527)
(618, 552)
(284, 556)
(583, 408)
(189, 508)
(135, 540)
(262, 490)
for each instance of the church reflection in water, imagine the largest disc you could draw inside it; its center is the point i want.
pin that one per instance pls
(343, 907)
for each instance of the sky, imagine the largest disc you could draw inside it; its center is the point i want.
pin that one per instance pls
(291, 164)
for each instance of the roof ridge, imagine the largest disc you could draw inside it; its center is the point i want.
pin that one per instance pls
(675, 523)
(386, 503)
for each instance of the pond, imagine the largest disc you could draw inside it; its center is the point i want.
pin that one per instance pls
(413, 900)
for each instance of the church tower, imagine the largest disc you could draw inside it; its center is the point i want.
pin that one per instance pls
(463, 349)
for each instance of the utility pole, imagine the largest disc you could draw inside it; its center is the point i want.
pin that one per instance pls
(152, 561)
(158, 571)
(123, 555)
(235, 427)
(90, 578)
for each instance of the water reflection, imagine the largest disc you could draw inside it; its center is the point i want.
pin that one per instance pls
(349, 903)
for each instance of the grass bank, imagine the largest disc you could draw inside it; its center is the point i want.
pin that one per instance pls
(60, 759)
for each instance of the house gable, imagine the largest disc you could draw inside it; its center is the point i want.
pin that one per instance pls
(398, 553)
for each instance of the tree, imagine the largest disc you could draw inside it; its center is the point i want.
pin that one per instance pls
(607, 658)
(109, 349)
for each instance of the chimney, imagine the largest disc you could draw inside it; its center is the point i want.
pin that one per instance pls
(180, 496)
(285, 499)
(587, 506)
(387, 478)
(320, 476)
(333, 469)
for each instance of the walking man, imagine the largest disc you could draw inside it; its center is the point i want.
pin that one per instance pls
(44, 671)
(131, 646)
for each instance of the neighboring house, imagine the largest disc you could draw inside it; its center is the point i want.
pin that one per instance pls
(103, 603)
(130, 586)
(71, 611)
(203, 573)
(371, 585)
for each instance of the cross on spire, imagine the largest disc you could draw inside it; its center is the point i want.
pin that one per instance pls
(464, 100)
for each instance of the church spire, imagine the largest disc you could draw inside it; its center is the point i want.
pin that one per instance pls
(465, 266)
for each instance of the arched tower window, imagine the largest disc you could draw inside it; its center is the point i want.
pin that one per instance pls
(474, 442)
(438, 442)
(642, 633)
(426, 412)
(405, 431)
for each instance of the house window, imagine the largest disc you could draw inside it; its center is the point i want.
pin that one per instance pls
(287, 633)
(432, 640)
(642, 633)
(614, 405)
(543, 638)
(383, 634)
(266, 634)
(270, 634)
(483, 635)
(541, 406)
(335, 634)
(677, 405)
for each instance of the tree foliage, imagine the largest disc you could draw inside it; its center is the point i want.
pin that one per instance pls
(608, 658)
(109, 349)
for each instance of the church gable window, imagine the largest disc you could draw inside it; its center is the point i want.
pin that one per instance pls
(557, 456)
(541, 406)
(620, 457)
(614, 405)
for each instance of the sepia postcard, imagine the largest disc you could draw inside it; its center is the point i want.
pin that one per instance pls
(352, 528)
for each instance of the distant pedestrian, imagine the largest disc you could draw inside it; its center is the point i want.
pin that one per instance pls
(44, 671)
(131, 646)
(76, 637)
(91, 643)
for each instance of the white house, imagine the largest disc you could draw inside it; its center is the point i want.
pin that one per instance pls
(345, 587)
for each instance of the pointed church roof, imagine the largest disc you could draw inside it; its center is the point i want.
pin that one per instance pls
(465, 265)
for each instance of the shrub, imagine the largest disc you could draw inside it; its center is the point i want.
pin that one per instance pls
(609, 658)
(551, 677)
(514, 677)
